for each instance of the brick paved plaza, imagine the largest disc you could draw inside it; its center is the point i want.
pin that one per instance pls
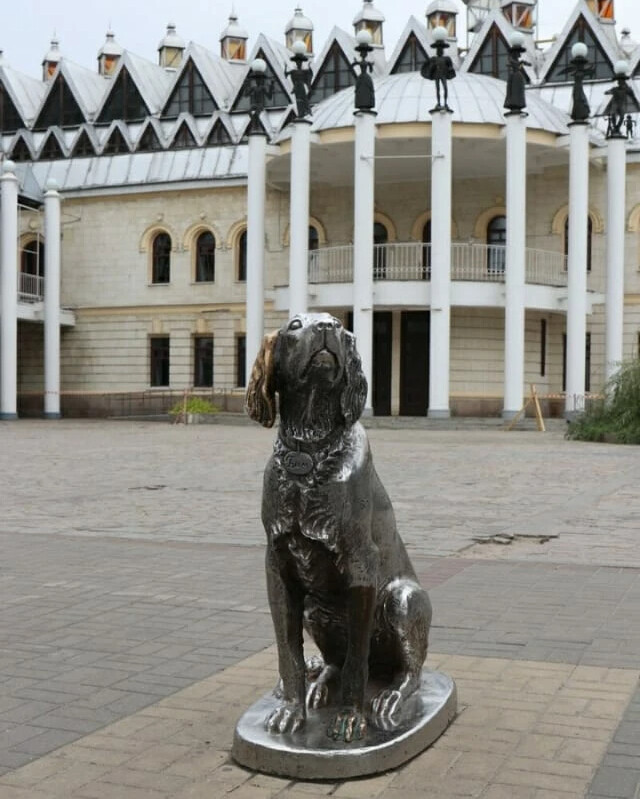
(134, 627)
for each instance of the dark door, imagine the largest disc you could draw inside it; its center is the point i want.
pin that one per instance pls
(414, 363)
(382, 343)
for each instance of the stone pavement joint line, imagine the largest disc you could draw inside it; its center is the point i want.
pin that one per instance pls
(525, 729)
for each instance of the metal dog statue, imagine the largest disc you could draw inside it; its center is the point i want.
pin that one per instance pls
(335, 563)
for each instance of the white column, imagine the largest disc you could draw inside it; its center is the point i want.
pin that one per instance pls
(364, 187)
(299, 217)
(577, 266)
(440, 317)
(256, 201)
(515, 264)
(616, 177)
(52, 234)
(8, 292)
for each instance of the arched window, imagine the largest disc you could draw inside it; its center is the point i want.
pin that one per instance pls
(589, 240)
(314, 238)
(32, 270)
(496, 241)
(426, 250)
(205, 258)
(380, 238)
(161, 259)
(241, 256)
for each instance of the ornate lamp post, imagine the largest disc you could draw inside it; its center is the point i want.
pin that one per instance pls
(363, 208)
(515, 100)
(259, 89)
(439, 68)
(579, 68)
(300, 180)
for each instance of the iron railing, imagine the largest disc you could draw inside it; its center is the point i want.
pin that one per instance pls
(30, 287)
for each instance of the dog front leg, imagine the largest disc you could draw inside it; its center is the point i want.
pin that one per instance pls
(350, 723)
(286, 611)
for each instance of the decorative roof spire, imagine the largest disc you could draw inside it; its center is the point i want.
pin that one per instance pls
(233, 40)
(51, 59)
(109, 55)
(171, 48)
(370, 18)
(300, 28)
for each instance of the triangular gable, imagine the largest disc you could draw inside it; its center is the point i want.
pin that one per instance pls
(152, 81)
(51, 149)
(124, 101)
(60, 106)
(281, 97)
(411, 57)
(10, 119)
(83, 146)
(598, 58)
(86, 85)
(20, 151)
(489, 51)
(149, 140)
(218, 136)
(332, 70)
(116, 143)
(563, 45)
(219, 75)
(190, 94)
(26, 93)
(184, 137)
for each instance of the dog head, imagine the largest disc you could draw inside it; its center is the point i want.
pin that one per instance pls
(312, 351)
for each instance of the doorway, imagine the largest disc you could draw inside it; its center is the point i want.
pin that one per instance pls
(414, 363)
(382, 353)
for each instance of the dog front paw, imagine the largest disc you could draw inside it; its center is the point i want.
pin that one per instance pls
(349, 725)
(289, 717)
(385, 705)
(320, 691)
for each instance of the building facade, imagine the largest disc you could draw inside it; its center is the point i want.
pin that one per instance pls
(128, 186)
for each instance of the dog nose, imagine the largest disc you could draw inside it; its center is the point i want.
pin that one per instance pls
(327, 324)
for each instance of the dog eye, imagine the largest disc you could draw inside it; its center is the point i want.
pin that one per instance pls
(295, 324)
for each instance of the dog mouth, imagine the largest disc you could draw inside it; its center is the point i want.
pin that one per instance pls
(323, 361)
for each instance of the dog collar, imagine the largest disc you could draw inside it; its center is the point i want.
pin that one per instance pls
(300, 457)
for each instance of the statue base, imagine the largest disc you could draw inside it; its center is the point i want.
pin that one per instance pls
(311, 754)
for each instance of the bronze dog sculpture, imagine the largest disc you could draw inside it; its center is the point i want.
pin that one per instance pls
(335, 563)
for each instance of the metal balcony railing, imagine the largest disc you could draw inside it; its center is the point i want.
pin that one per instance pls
(30, 287)
(412, 261)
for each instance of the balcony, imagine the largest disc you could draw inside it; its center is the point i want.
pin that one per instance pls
(412, 261)
(30, 288)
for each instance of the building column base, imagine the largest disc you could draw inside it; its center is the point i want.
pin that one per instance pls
(435, 413)
(8, 417)
(509, 415)
(52, 415)
(571, 416)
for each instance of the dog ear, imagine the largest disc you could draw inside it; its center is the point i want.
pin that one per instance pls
(354, 394)
(260, 400)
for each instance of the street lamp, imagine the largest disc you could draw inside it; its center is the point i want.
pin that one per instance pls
(300, 78)
(365, 99)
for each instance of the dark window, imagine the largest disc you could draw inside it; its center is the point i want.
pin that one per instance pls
(242, 256)
(159, 360)
(205, 258)
(493, 56)
(334, 74)
(426, 249)
(589, 241)
(543, 347)
(20, 151)
(597, 57)
(116, 144)
(280, 98)
(161, 267)
(51, 150)
(190, 95)
(380, 238)
(587, 362)
(314, 239)
(241, 360)
(32, 258)
(218, 135)
(496, 240)
(83, 146)
(60, 108)
(149, 141)
(203, 361)
(124, 102)
(184, 138)
(411, 58)
(10, 119)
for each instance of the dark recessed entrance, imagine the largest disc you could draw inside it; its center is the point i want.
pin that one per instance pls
(414, 363)
(382, 346)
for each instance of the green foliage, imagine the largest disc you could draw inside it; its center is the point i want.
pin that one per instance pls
(194, 405)
(618, 417)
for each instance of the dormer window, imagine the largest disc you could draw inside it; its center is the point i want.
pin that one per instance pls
(233, 41)
(369, 19)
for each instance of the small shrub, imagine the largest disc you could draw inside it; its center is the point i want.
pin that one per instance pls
(616, 418)
(194, 405)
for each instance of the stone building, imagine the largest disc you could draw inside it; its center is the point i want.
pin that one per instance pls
(125, 189)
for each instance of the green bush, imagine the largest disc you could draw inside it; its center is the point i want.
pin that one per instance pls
(194, 405)
(616, 418)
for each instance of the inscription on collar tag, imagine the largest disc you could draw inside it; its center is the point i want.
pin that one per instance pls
(298, 462)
